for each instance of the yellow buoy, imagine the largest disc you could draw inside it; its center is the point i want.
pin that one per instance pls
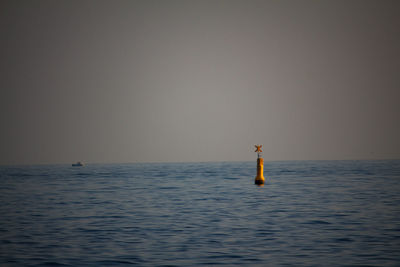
(260, 166)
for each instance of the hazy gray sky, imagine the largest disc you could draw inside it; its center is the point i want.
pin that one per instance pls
(127, 81)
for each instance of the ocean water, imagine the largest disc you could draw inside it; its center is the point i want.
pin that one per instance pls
(309, 213)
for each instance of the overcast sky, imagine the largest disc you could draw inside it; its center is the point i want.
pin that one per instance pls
(140, 81)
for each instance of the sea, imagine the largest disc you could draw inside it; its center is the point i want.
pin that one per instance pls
(308, 213)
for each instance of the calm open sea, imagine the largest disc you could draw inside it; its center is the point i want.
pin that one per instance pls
(309, 213)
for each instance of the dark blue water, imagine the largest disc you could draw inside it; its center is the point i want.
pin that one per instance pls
(309, 213)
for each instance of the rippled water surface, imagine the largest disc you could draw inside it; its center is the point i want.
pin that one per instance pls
(309, 213)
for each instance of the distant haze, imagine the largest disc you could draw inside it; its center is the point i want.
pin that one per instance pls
(140, 81)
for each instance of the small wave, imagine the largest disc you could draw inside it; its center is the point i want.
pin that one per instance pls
(52, 263)
(231, 178)
(227, 256)
(82, 174)
(344, 239)
(163, 174)
(114, 262)
(169, 188)
(318, 222)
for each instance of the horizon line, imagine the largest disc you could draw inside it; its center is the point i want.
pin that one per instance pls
(174, 162)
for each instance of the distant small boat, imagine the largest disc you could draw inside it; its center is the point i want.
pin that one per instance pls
(78, 164)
